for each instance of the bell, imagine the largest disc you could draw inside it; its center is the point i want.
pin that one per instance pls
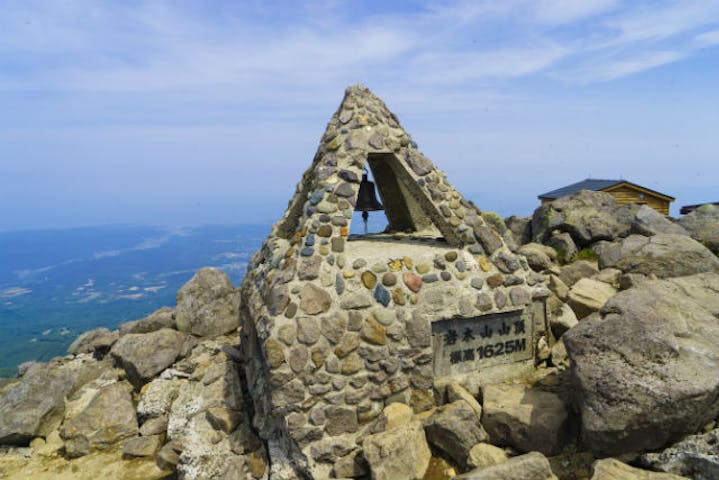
(367, 200)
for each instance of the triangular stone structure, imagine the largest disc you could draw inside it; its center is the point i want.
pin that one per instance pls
(363, 132)
(334, 328)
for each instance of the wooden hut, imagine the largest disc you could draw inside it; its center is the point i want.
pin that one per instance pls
(623, 190)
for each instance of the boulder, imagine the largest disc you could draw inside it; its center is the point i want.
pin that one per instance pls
(664, 255)
(454, 429)
(169, 456)
(484, 455)
(157, 396)
(539, 257)
(162, 318)
(563, 320)
(563, 245)
(588, 295)
(609, 276)
(644, 368)
(526, 419)
(703, 225)
(647, 221)
(398, 453)
(586, 215)
(146, 446)
(558, 287)
(35, 405)
(108, 418)
(613, 469)
(558, 354)
(207, 418)
(208, 305)
(530, 466)
(521, 228)
(696, 456)
(97, 341)
(456, 392)
(397, 414)
(572, 273)
(144, 355)
(499, 226)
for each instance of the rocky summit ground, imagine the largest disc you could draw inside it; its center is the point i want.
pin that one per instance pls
(626, 386)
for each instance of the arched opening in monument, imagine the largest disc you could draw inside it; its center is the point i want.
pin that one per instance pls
(376, 219)
(407, 210)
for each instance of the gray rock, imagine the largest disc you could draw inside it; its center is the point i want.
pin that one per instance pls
(419, 330)
(401, 452)
(663, 255)
(334, 326)
(703, 225)
(162, 318)
(526, 419)
(488, 237)
(562, 320)
(310, 268)
(314, 300)
(34, 406)
(530, 466)
(97, 341)
(169, 456)
(456, 392)
(208, 305)
(644, 369)
(454, 429)
(154, 426)
(539, 257)
(355, 301)
(696, 456)
(205, 410)
(521, 228)
(340, 420)
(308, 330)
(586, 215)
(572, 273)
(144, 355)
(419, 163)
(156, 398)
(353, 465)
(648, 222)
(613, 469)
(108, 418)
(587, 296)
(563, 244)
(485, 455)
(146, 446)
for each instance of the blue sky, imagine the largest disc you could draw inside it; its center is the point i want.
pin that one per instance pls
(208, 112)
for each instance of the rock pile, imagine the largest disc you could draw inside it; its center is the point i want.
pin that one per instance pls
(325, 363)
(144, 401)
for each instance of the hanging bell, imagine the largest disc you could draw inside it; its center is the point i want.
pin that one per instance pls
(367, 200)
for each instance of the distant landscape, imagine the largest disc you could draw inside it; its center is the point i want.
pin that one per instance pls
(56, 284)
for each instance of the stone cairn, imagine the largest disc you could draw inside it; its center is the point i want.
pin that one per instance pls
(331, 334)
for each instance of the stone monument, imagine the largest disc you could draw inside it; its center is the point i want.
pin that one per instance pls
(336, 327)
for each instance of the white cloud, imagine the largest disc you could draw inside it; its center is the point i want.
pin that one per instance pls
(614, 68)
(709, 38)
(566, 11)
(652, 22)
(453, 68)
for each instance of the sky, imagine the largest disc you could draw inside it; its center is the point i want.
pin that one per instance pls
(189, 112)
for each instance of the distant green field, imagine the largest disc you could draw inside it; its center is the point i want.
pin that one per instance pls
(56, 284)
